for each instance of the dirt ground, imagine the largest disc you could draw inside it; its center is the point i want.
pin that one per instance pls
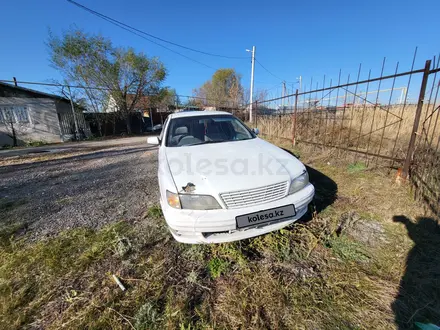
(90, 184)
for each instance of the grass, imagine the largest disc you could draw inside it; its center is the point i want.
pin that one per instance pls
(356, 167)
(350, 128)
(313, 275)
(217, 267)
(36, 143)
(31, 143)
(347, 249)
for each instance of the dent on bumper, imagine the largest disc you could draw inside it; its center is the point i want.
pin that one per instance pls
(217, 226)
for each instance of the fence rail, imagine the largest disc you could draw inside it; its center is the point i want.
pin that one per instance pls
(368, 119)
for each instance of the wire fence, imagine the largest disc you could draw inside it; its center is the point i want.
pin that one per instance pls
(387, 120)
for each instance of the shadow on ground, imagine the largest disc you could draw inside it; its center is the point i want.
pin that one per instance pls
(418, 299)
(326, 190)
(107, 152)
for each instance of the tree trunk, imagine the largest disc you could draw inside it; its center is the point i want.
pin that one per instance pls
(141, 123)
(128, 123)
(98, 121)
(105, 126)
(14, 135)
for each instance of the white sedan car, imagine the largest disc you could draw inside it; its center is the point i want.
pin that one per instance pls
(219, 182)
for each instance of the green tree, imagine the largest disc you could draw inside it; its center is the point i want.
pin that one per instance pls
(137, 76)
(105, 72)
(165, 99)
(223, 90)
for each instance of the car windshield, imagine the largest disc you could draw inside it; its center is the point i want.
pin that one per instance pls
(187, 131)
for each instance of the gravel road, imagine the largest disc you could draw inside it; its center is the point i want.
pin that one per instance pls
(90, 184)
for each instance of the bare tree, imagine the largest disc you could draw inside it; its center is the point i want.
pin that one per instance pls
(261, 95)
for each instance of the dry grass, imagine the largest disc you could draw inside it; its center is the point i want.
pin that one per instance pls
(321, 274)
(350, 128)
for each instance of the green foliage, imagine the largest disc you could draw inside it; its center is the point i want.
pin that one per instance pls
(195, 252)
(186, 327)
(35, 143)
(233, 252)
(148, 318)
(192, 277)
(92, 60)
(347, 249)
(165, 99)
(276, 244)
(154, 212)
(223, 90)
(217, 267)
(138, 75)
(7, 233)
(356, 167)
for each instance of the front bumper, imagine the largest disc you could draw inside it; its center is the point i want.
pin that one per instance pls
(218, 226)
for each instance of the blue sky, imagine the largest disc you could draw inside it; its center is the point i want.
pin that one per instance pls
(308, 38)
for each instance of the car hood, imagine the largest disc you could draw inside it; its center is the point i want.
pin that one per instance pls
(229, 166)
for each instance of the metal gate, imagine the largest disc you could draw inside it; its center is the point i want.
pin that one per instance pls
(67, 126)
(373, 120)
(425, 162)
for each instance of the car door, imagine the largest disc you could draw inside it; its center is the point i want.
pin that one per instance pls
(162, 161)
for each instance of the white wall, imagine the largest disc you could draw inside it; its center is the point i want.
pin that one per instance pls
(43, 125)
(111, 105)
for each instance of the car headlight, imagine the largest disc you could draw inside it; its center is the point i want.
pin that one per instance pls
(198, 202)
(173, 200)
(299, 183)
(191, 201)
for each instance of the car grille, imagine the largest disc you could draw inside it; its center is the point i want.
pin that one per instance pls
(243, 198)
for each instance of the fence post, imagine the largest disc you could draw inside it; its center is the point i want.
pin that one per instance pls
(294, 119)
(412, 141)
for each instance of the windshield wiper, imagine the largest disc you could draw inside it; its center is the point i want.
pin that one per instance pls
(207, 142)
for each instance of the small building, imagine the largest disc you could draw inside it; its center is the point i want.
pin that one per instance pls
(32, 115)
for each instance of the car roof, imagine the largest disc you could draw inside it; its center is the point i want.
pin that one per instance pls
(198, 113)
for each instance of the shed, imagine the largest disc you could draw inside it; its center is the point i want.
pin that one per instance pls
(37, 116)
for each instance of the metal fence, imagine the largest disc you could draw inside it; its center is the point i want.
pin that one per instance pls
(389, 120)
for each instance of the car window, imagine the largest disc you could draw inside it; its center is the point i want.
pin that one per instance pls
(240, 129)
(195, 130)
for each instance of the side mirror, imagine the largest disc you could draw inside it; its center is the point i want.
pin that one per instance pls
(256, 131)
(153, 140)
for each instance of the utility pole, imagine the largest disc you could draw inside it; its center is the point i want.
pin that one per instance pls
(300, 83)
(283, 95)
(74, 114)
(252, 83)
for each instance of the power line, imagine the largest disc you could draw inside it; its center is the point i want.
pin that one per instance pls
(273, 87)
(269, 71)
(52, 84)
(91, 88)
(121, 24)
